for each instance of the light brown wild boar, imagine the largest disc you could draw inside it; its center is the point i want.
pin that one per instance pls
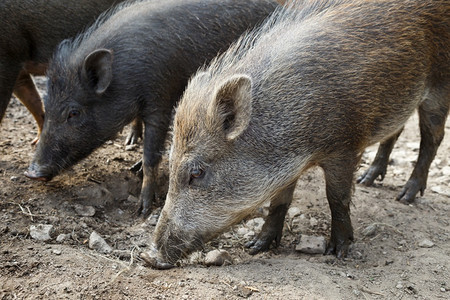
(314, 86)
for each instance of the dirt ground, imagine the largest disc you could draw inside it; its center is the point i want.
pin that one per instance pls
(405, 256)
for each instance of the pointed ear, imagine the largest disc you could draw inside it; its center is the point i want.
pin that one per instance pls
(232, 105)
(97, 70)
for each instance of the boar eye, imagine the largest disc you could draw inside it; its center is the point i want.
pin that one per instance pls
(195, 174)
(73, 113)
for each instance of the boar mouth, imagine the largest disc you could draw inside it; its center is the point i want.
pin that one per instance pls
(37, 173)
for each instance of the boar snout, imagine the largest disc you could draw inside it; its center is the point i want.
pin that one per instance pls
(37, 172)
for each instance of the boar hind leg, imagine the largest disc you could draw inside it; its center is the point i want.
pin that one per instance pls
(8, 74)
(379, 165)
(25, 91)
(135, 132)
(432, 116)
(339, 182)
(272, 229)
(154, 138)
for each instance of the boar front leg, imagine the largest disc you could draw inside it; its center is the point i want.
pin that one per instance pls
(272, 229)
(154, 137)
(339, 182)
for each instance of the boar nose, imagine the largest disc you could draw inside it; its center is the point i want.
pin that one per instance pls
(36, 173)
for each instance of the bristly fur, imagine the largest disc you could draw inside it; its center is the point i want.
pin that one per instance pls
(71, 44)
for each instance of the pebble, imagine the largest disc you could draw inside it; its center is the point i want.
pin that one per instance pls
(14, 178)
(130, 147)
(56, 251)
(446, 170)
(443, 289)
(293, 212)
(249, 235)
(152, 220)
(62, 237)
(41, 232)
(255, 224)
(313, 222)
(132, 198)
(218, 258)
(370, 230)
(440, 189)
(399, 285)
(242, 231)
(426, 244)
(84, 211)
(311, 244)
(96, 242)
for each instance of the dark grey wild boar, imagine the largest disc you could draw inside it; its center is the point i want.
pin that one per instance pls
(133, 63)
(314, 86)
(29, 33)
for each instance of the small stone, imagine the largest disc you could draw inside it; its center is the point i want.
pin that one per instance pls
(313, 222)
(426, 244)
(130, 147)
(399, 285)
(14, 178)
(41, 232)
(440, 189)
(402, 242)
(356, 292)
(96, 242)
(152, 220)
(311, 244)
(218, 258)
(84, 211)
(255, 224)
(242, 231)
(443, 289)
(249, 235)
(62, 237)
(132, 198)
(446, 171)
(369, 230)
(293, 212)
(56, 251)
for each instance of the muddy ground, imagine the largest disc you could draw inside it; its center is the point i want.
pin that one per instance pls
(405, 256)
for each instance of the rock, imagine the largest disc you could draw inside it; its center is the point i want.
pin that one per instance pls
(426, 244)
(84, 211)
(131, 147)
(132, 198)
(249, 235)
(56, 251)
(242, 231)
(152, 220)
(41, 232)
(96, 195)
(96, 242)
(14, 178)
(311, 244)
(399, 285)
(218, 258)
(369, 230)
(441, 189)
(293, 212)
(446, 171)
(255, 224)
(62, 237)
(313, 222)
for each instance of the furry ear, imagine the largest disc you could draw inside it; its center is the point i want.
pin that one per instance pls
(232, 104)
(97, 70)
